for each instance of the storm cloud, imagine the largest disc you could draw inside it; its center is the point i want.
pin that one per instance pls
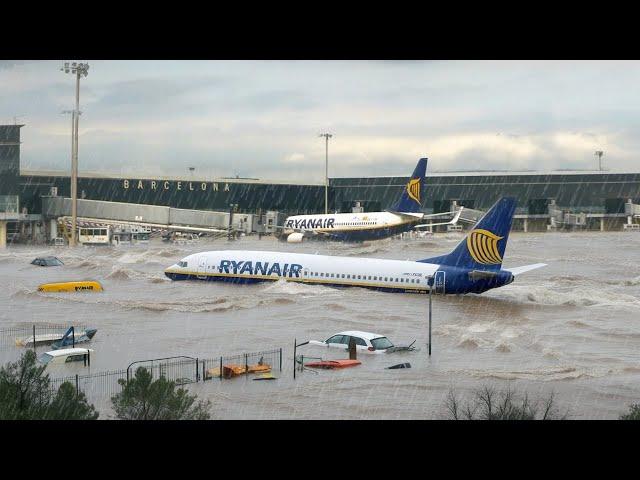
(262, 118)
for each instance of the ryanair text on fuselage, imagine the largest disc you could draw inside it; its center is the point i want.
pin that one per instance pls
(259, 268)
(310, 223)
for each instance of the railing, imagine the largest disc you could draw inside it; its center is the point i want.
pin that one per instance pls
(101, 386)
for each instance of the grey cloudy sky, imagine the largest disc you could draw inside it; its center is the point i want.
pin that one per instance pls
(262, 118)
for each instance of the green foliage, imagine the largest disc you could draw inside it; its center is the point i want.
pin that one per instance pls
(633, 414)
(25, 394)
(67, 405)
(488, 404)
(144, 399)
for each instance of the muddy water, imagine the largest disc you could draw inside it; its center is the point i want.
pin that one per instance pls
(572, 328)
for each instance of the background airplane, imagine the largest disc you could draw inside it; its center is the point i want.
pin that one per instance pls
(405, 215)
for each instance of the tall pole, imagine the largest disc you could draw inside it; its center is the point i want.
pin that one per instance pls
(74, 167)
(79, 70)
(327, 136)
(430, 301)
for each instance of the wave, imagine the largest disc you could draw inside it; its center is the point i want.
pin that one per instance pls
(296, 288)
(544, 374)
(502, 348)
(119, 274)
(574, 297)
(159, 280)
(469, 343)
(189, 305)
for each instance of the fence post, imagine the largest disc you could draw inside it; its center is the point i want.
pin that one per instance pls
(220, 376)
(77, 387)
(204, 370)
(197, 371)
(246, 363)
(281, 359)
(34, 339)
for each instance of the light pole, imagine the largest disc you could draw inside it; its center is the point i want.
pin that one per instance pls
(599, 154)
(327, 136)
(79, 70)
(73, 126)
(431, 285)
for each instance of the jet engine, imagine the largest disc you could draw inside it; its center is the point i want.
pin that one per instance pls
(295, 237)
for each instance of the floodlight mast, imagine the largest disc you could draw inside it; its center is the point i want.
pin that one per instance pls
(327, 136)
(79, 70)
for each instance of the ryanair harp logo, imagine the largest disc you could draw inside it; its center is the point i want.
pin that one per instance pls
(483, 247)
(413, 189)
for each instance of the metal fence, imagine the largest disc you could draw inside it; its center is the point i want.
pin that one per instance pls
(241, 364)
(24, 335)
(95, 386)
(181, 370)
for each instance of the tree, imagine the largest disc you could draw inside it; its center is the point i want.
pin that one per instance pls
(69, 405)
(633, 414)
(144, 399)
(488, 404)
(25, 394)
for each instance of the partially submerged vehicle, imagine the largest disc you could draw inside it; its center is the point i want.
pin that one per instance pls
(66, 355)
(333, 364)
(58, 340)
(71, 338)
(366, 342)
(47, 262)
(83, 286)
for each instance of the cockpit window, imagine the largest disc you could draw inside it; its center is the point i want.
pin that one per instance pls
(182, 264)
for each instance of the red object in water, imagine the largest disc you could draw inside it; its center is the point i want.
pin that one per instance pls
(331, 364)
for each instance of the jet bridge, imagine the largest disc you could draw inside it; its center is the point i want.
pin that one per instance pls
(152, 216)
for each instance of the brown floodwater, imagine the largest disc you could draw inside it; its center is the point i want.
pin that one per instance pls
(571, 328)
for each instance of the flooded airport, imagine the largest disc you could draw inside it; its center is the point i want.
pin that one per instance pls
(571, 328)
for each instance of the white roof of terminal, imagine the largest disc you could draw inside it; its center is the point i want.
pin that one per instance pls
(146, 176)
(460, 173)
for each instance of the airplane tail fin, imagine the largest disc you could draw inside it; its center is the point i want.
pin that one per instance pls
(411, 199)
(483, 248)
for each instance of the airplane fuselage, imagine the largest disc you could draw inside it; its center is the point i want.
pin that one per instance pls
(352, 226)
(245, 267)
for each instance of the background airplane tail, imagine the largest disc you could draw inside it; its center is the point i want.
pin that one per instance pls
(483, 248)
(411, 199)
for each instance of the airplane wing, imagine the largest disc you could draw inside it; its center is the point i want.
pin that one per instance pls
(306, 231)
(518, 270)
(453, 221)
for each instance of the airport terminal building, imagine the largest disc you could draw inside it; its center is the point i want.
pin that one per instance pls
(589, 199)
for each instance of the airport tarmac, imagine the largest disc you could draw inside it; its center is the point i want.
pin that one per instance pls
(570, 328)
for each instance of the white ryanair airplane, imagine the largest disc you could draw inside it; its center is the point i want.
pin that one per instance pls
(405, 215)
(473, 267)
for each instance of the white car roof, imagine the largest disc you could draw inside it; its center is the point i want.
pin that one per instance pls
(357, 333)
(68, 351)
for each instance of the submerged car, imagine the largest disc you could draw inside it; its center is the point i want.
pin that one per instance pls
(66, 355)
(47, 262)
(365, 341)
